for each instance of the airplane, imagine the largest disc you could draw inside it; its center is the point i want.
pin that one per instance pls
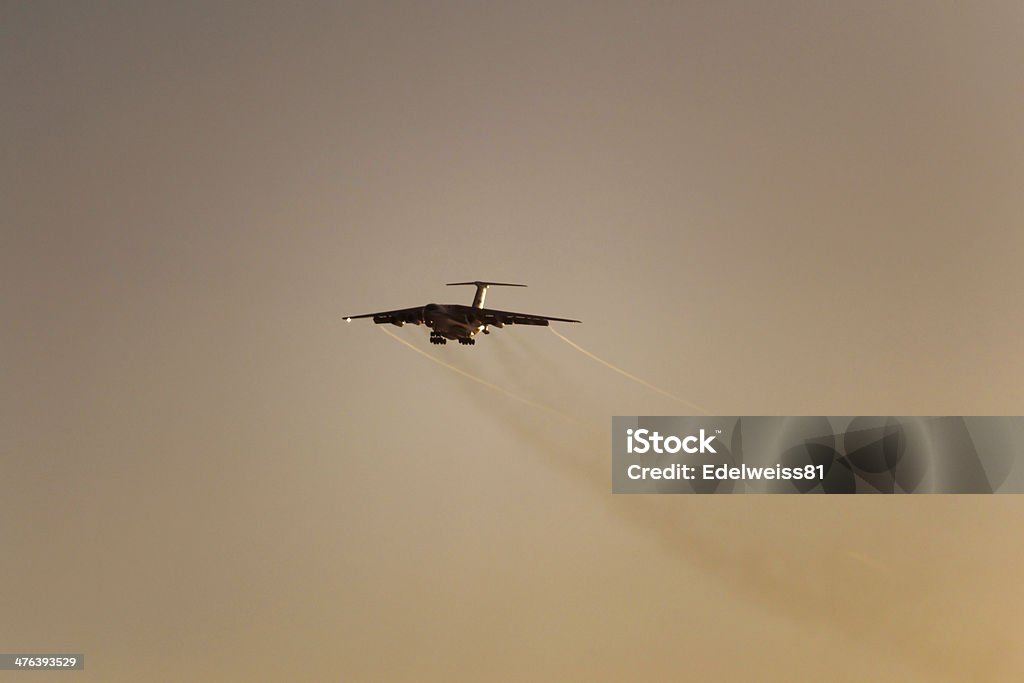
(459, 322)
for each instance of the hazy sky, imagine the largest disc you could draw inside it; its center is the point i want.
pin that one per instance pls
(766, 208)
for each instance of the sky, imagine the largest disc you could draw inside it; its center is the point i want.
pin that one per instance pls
(796, 209)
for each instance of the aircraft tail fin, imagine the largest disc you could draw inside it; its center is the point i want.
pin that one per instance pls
(481, 289)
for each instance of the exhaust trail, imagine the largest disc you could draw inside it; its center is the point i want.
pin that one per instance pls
(626, 374)
(480, 380)
(749, 572)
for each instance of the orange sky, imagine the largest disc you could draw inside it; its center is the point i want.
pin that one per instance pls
(812, 208)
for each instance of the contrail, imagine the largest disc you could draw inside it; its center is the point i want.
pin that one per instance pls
(479, 380)
(626, 374)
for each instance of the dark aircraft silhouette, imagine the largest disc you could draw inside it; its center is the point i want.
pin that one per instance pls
(456, 321)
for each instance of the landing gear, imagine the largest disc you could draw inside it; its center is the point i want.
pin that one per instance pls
(467, 342)
(437, 339)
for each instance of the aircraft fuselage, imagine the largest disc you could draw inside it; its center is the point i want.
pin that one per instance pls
(452, 321)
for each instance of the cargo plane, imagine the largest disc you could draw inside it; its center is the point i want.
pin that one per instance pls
(457, 321)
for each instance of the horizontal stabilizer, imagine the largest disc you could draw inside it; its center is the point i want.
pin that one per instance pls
(481, 289)
(478, 283)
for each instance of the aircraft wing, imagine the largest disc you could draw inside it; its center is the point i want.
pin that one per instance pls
(412, 316)
(489, 316)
